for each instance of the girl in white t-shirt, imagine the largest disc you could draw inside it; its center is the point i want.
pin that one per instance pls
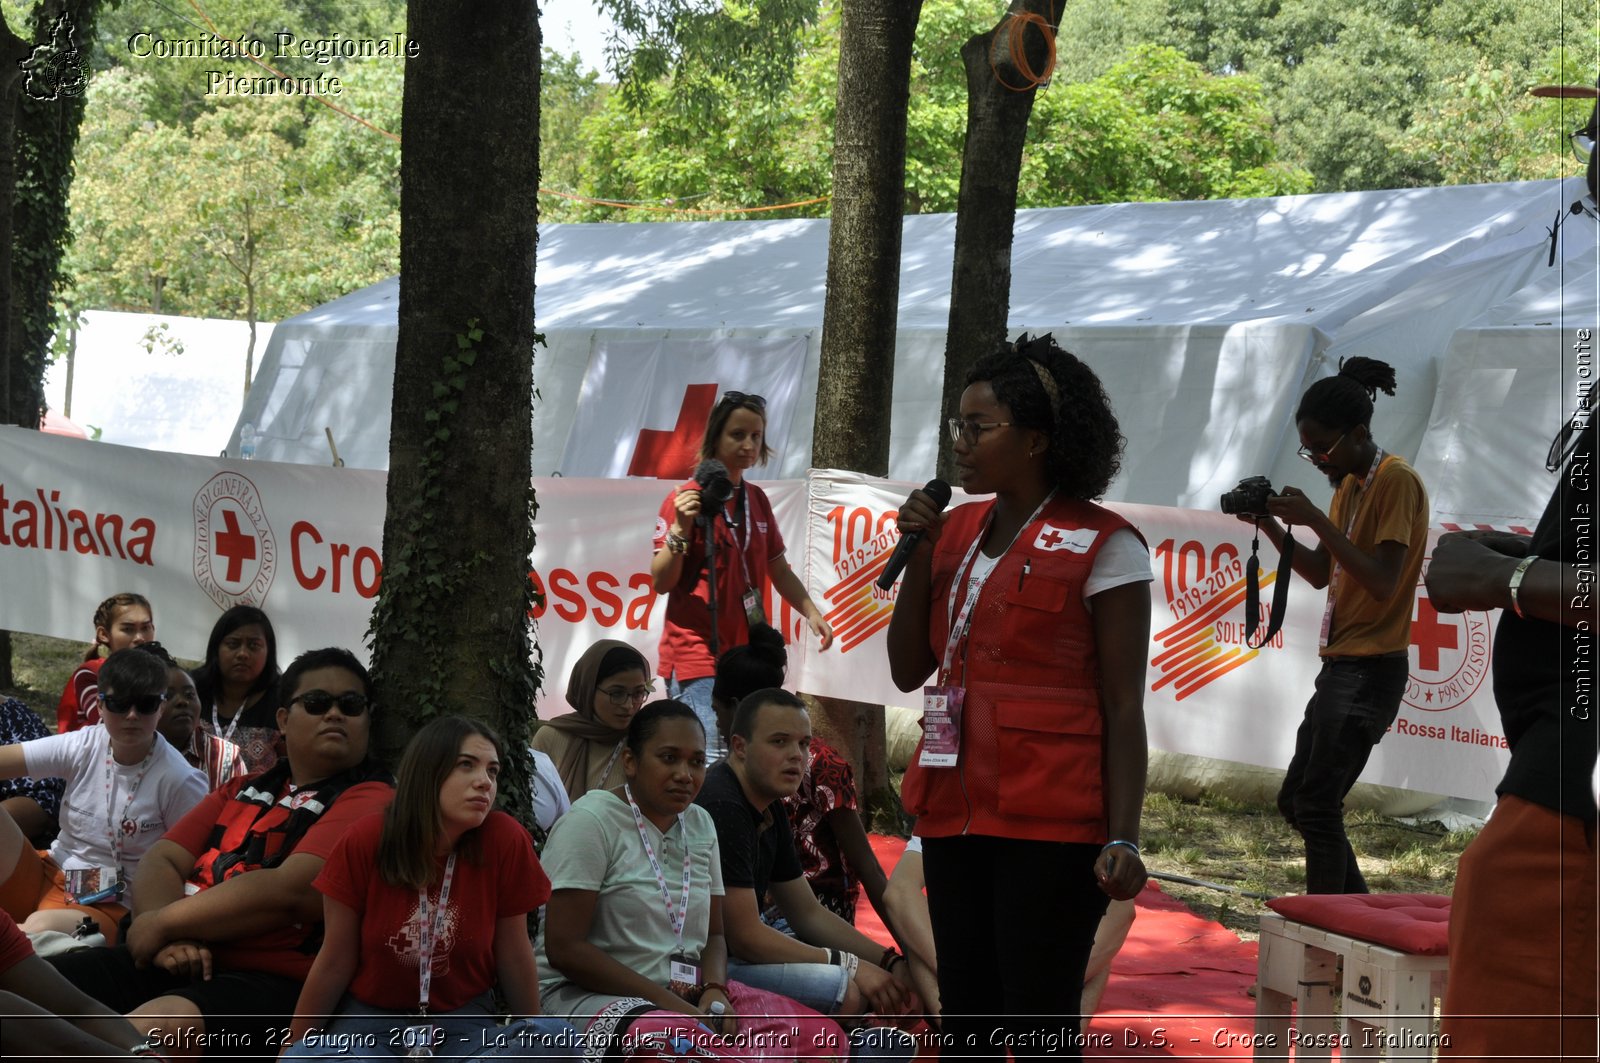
(125, 786)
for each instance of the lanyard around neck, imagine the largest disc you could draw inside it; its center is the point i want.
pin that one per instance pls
(431, 928)
(676, 915)
(959, 624)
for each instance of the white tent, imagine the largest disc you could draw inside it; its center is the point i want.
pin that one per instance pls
(156, 381)
(1205, 320)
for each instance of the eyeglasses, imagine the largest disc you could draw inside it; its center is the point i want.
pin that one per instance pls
(739, 398)
(144, 704)
(969, 431)
(1319, 457)
(622, 697)
(317, 702)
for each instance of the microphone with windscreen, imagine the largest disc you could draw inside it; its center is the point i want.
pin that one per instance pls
(939, 492)
(711, 477)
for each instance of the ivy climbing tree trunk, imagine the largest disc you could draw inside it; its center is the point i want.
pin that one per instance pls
(451, 631)
(999, 100)
(855, 381)
(38, 135)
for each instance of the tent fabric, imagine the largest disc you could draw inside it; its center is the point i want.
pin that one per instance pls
(1206, 320)
(156, 381)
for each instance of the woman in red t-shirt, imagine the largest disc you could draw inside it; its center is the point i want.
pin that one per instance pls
(425, 910)
(121, 622)
(749, 552)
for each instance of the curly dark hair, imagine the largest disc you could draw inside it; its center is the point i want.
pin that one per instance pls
(1086, 442)
(1345, 401)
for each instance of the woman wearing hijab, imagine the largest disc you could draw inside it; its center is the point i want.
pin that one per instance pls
(607, 687)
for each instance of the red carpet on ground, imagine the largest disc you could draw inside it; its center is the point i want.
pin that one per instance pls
(1177, 987)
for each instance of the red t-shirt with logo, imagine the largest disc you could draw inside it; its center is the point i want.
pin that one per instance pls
(286, 950)
(79, 705)
(686, 634)
(507, 882)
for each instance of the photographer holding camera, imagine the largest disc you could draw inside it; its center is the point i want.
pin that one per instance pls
(1369, 553)
(721, 521)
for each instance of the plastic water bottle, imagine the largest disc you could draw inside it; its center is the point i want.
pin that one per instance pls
(247, 441)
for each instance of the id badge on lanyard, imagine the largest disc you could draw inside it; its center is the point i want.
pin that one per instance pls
(941, 726)
(93, 885)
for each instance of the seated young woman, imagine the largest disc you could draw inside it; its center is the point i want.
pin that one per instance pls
(425, 911)
(632, 940)
(125, 786)
(607, 686)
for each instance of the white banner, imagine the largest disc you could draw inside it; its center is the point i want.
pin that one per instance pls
(670, 386)
(80, 521)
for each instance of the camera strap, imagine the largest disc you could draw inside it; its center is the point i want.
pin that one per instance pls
(1252, 590)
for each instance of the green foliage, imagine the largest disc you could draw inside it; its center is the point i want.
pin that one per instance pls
(1381, 93)
(713, 53)
(1151, 125)
(254, 209)
(1154, 127)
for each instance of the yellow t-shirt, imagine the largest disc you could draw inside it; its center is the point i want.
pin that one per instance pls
(1394, 510)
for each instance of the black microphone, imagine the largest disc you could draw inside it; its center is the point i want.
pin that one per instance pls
(939, 492)
(711, 480)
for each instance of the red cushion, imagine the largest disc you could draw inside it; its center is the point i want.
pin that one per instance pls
(1418, 923)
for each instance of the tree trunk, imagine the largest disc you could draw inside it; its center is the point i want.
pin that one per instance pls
(451, 628)
(991, 162)
(13, 50)
(855, 381)
(37, 141)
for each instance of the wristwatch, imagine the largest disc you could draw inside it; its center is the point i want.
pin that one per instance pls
(676, 543)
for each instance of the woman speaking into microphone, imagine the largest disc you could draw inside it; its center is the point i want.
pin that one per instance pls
(747, 550)
(1029, 615)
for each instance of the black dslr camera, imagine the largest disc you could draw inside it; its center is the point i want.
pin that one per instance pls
(1249, 499)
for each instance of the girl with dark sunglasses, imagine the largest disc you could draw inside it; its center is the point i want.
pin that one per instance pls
(125, 786)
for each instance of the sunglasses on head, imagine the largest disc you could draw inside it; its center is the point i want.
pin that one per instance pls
(317, 702)
(144, 704)
(739, 398)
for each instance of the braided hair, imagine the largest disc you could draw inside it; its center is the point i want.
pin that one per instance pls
(1345, 401)
(1052, 390)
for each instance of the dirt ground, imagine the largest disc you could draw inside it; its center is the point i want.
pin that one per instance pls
(1246, 850)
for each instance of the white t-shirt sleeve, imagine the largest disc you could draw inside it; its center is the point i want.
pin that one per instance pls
(550, 800)
(1123, 559)
(59, 756)
(914, 845)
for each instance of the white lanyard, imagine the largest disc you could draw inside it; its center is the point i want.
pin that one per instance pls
(615, 753)
(430, 928)
(120, 827)
(676, 917)
(958, 624)
(233, 724)
(1355, 511)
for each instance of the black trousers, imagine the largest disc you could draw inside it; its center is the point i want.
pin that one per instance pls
(1355, 702)
(1013, 923)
